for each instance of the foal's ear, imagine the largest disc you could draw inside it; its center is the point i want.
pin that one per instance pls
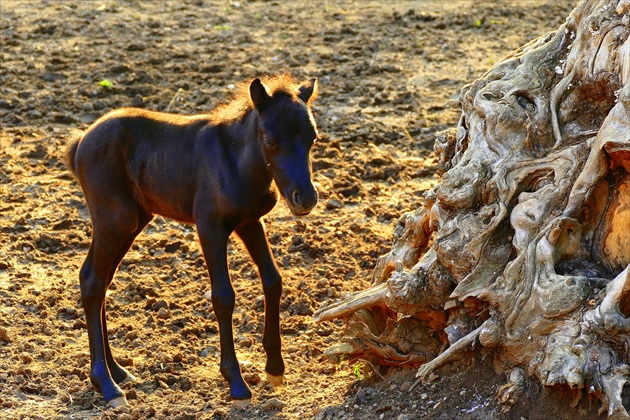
(308, 90)
(258, 94)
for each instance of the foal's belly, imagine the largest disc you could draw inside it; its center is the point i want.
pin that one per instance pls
(168, 192)
(155, 204)
(181, 202)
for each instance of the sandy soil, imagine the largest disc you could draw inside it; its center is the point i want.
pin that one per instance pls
(389, 78)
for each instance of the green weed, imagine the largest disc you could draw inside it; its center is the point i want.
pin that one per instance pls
(356, 369)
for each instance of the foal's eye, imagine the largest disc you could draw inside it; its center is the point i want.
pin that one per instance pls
(270, 144)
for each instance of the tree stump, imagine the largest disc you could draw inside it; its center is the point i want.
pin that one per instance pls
(524, 245)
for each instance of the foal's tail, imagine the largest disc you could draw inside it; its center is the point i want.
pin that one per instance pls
(71, 151)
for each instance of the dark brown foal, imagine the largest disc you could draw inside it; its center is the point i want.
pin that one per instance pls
(214, 170)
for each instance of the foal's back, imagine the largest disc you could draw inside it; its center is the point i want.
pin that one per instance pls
(143, 155)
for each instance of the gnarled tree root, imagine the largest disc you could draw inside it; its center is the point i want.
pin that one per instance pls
(425, 372)
(530, 224)
(374, 296)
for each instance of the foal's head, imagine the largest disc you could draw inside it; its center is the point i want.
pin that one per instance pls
(287, 133)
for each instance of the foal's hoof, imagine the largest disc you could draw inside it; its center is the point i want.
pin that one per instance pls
(118, 402)
(275, 380)
(241, 403)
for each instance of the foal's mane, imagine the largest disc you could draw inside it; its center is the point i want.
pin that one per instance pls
(240, 101)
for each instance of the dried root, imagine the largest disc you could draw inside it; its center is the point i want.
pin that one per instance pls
(524, 246)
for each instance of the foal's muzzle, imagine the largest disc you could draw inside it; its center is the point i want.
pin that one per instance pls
(301, 203)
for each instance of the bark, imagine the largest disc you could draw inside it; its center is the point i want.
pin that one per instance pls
(524, 245)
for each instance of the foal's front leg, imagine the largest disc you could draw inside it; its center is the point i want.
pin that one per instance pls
(214, 239)
(255, 239)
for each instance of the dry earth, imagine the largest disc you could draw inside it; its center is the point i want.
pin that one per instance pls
(389, 77)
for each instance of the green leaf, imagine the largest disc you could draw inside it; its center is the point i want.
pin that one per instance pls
(106, 83)
(357, 371)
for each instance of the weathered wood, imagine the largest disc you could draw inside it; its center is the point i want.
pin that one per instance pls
(371, 297)
(530, 225)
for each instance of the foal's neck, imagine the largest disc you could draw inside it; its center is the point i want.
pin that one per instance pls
(251, 162)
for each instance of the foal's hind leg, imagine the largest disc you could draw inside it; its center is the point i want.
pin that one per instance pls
(255, 239)
(111, 234)
(120, 374)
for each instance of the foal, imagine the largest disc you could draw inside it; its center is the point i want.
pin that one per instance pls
(213, 170)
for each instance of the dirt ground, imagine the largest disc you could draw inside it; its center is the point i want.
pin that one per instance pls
(389, 74)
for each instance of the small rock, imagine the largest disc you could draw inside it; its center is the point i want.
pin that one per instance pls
(221, 412)
(252, 378)
(137, 101)
(78, 324)
(160, 305)
(334, 204)
(385, 217)
(87, 118)
(4, 335)
(362, 396)
(184, 383)
(173, 246)
(163, 313)
(212, 68)
(135, 47)
(273, 404)
(131, 394)
(246, 365)
(147, 412)
(6, 104)
(125, 361)
(149, 303)
(275, 239)
(245, 343)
